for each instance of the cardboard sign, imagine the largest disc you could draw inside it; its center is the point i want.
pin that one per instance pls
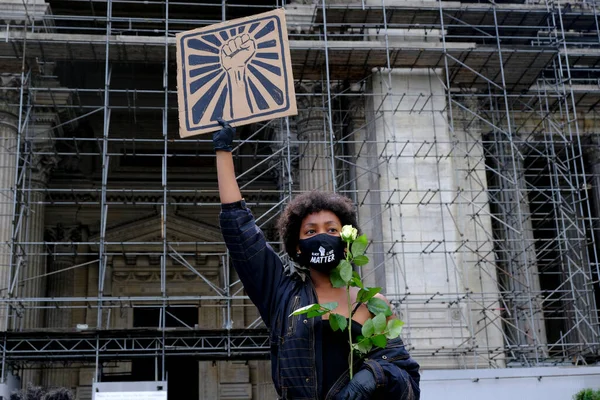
(239, 70)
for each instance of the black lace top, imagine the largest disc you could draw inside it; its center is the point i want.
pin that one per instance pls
(336, 353)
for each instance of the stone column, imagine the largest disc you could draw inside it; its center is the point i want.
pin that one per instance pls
(8, 157)
(594, 179)
(515, 254)
(39, 140)
(362, 146)
(60, 284)
(313, 133)
(578, 273)
(593, 156)
(34, 285)
(283, 174)
(425, 230)
(36, 262)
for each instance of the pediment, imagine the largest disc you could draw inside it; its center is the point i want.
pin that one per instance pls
(148, 233)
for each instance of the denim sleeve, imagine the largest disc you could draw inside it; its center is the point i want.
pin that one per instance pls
(258, 266)
(396, 373)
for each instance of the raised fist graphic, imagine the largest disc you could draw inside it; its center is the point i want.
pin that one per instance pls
(236, 52)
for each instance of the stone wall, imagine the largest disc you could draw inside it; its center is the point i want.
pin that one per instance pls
(423, 229)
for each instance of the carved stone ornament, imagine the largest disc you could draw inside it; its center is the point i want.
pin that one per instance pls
(277, 166)
(9, 88)
(311, 114)
(132, 276)
(9, 98)
(62, 233)
(42, 167)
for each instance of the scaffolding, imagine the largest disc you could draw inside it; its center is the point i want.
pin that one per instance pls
(105, 209)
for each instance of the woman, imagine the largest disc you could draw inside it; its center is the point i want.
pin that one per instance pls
(309, 360)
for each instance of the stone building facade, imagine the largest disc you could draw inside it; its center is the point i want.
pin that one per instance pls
(109, 222)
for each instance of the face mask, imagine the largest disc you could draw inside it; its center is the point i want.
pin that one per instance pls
(322, 252)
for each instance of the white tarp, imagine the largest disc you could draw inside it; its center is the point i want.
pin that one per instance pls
(131, 396)
(130, 390)
(548, 383)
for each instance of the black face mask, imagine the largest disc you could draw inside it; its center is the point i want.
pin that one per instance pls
(322, 252)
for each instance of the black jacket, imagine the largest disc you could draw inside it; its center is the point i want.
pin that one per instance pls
(296, 340)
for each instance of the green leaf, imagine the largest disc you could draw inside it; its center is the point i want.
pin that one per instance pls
(367, 328)
(379, 341)
(356, 281)
(378, 306)
(364, 346)
(361, 260)
(325, 308)
(359, 246)
(379, 323)
(338, 321)
(394, 328)
(306, 309)
(366, 294)
(333, 322)
(316, 313)
(330, 306)
(345, 271)
(316, 310)
(336, 279)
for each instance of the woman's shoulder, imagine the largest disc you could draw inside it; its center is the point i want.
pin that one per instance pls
(362, 312)
(382, 297)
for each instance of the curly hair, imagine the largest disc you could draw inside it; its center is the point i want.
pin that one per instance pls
(308, 203)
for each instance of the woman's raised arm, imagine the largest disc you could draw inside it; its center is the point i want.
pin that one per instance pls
(229, 191)
(256, 263)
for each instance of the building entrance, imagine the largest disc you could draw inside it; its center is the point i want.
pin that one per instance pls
(181, 372)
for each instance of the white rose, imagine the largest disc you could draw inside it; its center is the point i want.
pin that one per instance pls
(349, 233)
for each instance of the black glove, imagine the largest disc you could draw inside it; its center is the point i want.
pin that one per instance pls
(361, 387)
(223, 138)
